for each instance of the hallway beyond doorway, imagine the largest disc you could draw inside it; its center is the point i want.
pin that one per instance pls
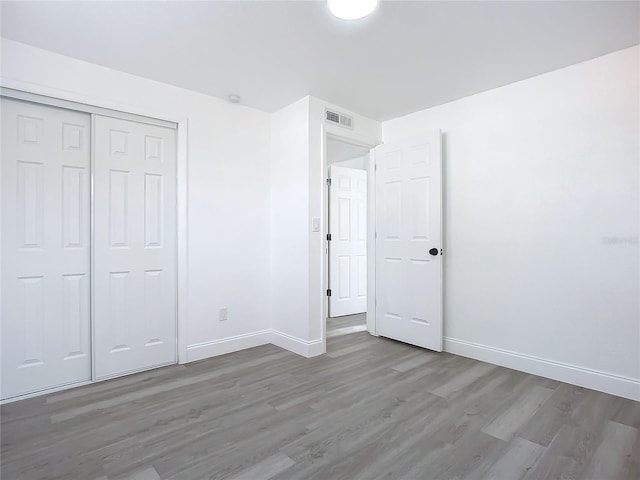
(347, 324)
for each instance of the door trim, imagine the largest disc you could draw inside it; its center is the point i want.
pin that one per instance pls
(83, 107)
(126, 111)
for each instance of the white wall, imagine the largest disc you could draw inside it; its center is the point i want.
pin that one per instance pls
(228, 219)
(290, 222)
(338, 151)
(359, 163)
(298, 194)
(542, 221)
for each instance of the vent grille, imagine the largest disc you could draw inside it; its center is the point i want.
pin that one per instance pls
(338, 119)
(333, 117)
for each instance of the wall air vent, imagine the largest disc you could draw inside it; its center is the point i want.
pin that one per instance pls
(338, 119)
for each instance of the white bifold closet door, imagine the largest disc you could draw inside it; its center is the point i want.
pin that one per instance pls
(134, 246)
(45, 247)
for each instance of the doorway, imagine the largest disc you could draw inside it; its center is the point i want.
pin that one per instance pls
(404, 242)
(347, 219)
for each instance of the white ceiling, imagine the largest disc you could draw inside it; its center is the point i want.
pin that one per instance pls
(404, 57)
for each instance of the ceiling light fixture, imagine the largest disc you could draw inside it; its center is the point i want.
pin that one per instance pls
(351, 9)
(233, 98)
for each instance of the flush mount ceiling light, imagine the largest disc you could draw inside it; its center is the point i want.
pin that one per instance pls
(351, 9)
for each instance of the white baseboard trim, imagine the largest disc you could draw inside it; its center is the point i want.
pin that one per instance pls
(200, 351)
(584, 377)
(305, 348)
(47, 391)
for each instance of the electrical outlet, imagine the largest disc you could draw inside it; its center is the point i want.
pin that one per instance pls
(224, 314)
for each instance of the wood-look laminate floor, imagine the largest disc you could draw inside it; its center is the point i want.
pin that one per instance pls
(370, 409)
(347, 324)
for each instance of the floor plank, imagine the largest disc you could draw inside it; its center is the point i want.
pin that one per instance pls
(372, 408)
(519, 458)
(611, 455)
(524, 407)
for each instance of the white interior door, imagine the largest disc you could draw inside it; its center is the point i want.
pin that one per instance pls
(135, 246)
(45, 322)
(409, 241)
(348, 245)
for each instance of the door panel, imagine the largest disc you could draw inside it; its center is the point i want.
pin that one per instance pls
(45, 247)
(348, 246)
(135, 244)
(408, 225)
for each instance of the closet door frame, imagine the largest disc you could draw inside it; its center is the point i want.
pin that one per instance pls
(95, 106)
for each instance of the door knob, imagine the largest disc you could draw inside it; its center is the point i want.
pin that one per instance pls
(433, 251)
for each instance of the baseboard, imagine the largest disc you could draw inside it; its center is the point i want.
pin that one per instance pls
(200, 351)
(584, 377)
(297, 345)
(47, 391)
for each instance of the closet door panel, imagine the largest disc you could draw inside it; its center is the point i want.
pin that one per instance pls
(135, 246)
(45, 326)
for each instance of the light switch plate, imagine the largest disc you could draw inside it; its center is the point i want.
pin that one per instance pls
(315, 225)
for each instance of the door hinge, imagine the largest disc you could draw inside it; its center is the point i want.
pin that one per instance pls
(328, 292)
(328, 237)
(329, 182)
(375, 167)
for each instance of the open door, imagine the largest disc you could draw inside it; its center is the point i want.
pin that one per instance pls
(348, 245)
(409, 241)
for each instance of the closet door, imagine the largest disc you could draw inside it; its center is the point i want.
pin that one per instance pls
(135, 246)
(45, 251)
